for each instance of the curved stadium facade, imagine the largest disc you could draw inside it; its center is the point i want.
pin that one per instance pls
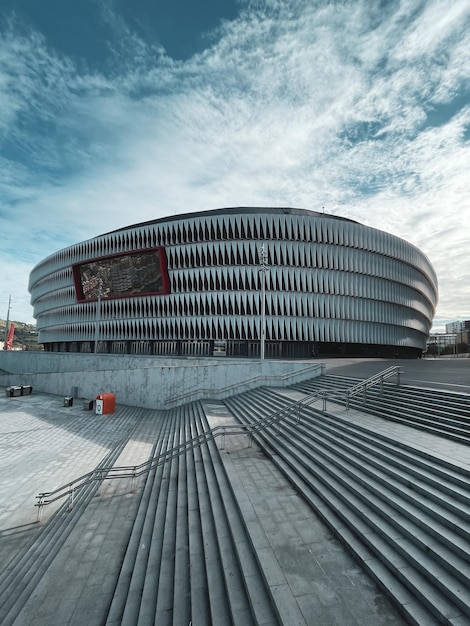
(192, 285)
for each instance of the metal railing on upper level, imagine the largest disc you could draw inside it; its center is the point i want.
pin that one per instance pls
(243, 385)
(377, 379)
(70, 489)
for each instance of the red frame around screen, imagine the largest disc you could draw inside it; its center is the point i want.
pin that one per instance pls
(163, 270)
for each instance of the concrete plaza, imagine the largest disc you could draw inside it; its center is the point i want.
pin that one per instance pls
(45, 444)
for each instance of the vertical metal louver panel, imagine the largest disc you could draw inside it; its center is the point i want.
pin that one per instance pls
(217, 229)
(265, 229)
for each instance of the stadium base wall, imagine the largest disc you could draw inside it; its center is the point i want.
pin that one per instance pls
(153, 383)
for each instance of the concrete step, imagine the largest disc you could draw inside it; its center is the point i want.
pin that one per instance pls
(312, 580)
(129, 585)
(403, 598)
(237, 602)
(456, 403)
(440, 405)
(433, 398)
(260, 603)
(438, 412)
(185, 566)
(210, 559)
(420, 465)
(441, 426)
(359, 492)
(156, 603)
(407, 518)
(411, 405)
(200, 606)
(78, 585)
(389, 521)
(458, 477)
(343, 522)
(139, 591)
(448, 503)
(178, 594)
(442, 517)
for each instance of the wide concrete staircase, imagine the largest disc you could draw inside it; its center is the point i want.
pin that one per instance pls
(403, 513)
(179, 550)
(176, 552)
(443, 413)
(21, 574)
(188, 559)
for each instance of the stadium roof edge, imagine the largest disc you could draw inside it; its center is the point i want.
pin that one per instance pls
(233, 211)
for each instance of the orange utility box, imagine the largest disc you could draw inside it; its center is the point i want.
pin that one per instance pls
(105, 403)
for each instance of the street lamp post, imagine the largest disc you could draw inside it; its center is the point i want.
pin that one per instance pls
(7, 324)
(98, 315)
(263, 269)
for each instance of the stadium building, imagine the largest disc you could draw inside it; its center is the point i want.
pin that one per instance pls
(210, 282)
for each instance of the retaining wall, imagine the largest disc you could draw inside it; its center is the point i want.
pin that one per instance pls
(148, 382)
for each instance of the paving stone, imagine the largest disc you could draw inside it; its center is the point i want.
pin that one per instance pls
(289, 610)
(330, 615)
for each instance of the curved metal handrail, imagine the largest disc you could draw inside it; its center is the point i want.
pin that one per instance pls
(134, 471)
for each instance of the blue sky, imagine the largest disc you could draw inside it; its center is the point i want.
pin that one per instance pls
(114, 112)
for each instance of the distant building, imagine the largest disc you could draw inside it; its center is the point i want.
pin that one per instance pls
(192, 284)
(441, 340)
(454, 327)
(458, 327)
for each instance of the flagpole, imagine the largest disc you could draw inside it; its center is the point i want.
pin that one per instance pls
(7, 323)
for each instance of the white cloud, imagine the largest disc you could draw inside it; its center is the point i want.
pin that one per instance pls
(437, 26)
(297, 104)
(12, 284)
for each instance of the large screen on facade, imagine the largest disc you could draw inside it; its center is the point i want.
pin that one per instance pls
(122, 275)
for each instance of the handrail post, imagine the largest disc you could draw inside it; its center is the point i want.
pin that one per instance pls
(71, 497)
(99, 479)
(324, 402)
(381, 385)
(364, 397)
(347, 401)
(133, 479)
(398, 377)
(40, 506)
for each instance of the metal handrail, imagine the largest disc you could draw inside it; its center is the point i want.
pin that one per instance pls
(255, 379)
(363, 386)
(134, 471)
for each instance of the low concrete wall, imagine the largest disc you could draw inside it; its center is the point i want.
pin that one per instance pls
(148, 382)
